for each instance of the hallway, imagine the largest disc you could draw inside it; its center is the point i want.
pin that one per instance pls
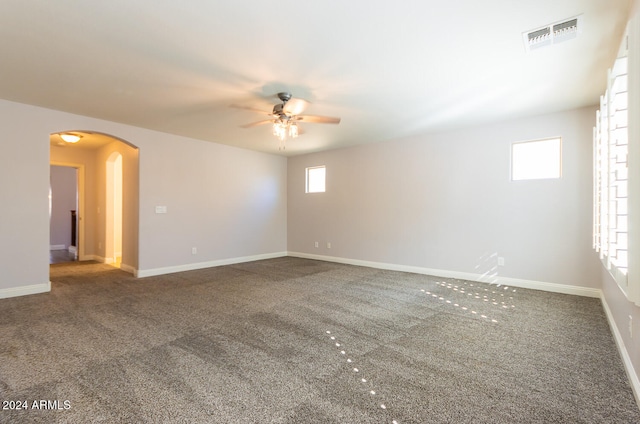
(60, 256)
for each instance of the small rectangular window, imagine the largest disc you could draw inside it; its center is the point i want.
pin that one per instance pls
(535, 160)
(316, 179)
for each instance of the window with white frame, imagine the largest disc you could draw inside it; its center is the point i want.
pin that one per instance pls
(610, 203)
(315, 179)
(535, 160)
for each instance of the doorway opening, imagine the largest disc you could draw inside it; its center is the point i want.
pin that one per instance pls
(107, 195)
(63, 213)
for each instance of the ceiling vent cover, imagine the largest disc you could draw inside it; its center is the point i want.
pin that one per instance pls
(552, 33)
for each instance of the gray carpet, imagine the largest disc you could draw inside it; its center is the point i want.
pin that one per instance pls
(291, 340)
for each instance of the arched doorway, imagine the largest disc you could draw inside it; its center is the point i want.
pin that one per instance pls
(108, 196)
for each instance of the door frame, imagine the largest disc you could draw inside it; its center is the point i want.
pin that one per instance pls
(80, 192)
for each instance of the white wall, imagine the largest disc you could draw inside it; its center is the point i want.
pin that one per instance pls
(24, 193)
(445, 202)
(63, 201)
(228, 202)
(225, 202)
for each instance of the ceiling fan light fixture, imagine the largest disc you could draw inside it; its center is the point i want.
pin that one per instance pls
(285, 116)
(70, 138)
(280, 129)
(293, 130)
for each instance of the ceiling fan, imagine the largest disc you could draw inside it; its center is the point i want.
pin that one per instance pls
(285, 117)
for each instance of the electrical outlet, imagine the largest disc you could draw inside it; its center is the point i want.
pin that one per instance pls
(328, 245)
(631, 326)
(317, 244)
(500, 261)
(194, 250)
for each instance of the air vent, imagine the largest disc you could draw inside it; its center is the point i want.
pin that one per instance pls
(552, 33)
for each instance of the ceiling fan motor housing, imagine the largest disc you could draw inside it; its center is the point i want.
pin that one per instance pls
(279, 109)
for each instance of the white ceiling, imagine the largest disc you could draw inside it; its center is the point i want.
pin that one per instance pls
(388, 69)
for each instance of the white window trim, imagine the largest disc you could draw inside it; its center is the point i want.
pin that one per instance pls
(633, 46)
(609, 220)
(306, 184)
(559, 176)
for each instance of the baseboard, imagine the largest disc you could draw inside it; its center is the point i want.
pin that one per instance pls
(98, 258)
(91, 258)
(624, 354)
(109, 261)
(128, 268)
(200, 265)
(57, 247)
(481, 278)
(25, 290)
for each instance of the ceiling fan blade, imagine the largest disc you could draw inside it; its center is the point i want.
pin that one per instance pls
(253, 109)
(295, 106)
(318, 119)
(255, 124)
